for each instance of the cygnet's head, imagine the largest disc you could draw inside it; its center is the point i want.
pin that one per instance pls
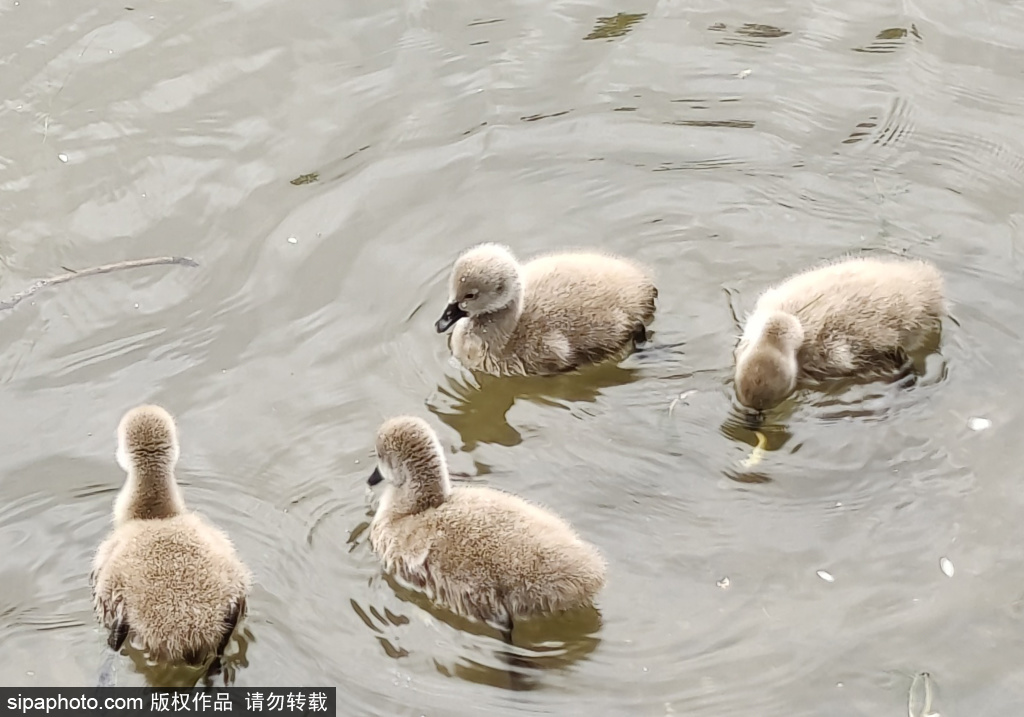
(766, 360)
(411, 461)
(484, 279)
(146, 440)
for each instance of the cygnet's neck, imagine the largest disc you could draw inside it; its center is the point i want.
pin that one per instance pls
(429, 494)
(775, 328)
(423, 491)
(150, 492)
(494, 328)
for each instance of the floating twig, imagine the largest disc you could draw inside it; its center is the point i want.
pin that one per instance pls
(106, 268)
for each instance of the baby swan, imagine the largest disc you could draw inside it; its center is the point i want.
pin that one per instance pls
(855, 318)
(480, 552)
(550, 315)
(164, 574)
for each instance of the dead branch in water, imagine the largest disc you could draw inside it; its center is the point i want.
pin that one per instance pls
(93, 271)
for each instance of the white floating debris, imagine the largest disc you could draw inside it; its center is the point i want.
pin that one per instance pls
(978, 424)
(826, 576)
(742, 74)
(723, 583)
(62, 157)
(681, 398)
(946, 566)
(293, 240)
(920, 696)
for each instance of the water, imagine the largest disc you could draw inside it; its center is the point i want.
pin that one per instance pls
(727, 144)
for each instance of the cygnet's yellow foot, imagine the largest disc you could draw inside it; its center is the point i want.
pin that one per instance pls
(758, 453)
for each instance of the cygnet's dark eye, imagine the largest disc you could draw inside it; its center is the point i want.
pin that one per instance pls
(470, 295)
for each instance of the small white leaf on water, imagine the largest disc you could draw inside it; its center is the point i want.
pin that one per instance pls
(681, 398)
(743, 73)
(921, 696)
(723, 583)
(62, 157)
(293, 240)
(946, 565)
(826, 576)
(978, 424)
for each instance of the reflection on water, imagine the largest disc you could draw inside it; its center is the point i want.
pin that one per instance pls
(558, 644)
(181, 675)
(615, 26)
(538, 646)
(749, 34)
(475, 405)
(890, 40)
(742, 427)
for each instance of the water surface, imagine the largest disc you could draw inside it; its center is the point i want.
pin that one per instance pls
(725, 144)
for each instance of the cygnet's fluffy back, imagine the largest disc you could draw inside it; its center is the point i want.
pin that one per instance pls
(164, 574)
(482, 553)
(176, 583)
(553, 314)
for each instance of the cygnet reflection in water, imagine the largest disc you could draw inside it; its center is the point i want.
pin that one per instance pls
(478, 412)
(538, 645)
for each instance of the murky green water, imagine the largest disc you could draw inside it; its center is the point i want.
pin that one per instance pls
(726, 144)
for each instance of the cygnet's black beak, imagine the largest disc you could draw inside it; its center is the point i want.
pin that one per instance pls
(753, 418)
(375, 477)
(452, 313)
